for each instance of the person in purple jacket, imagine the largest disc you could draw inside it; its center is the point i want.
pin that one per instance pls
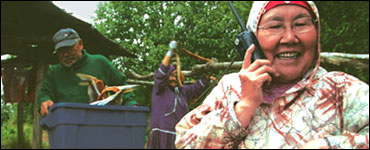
(169, 103)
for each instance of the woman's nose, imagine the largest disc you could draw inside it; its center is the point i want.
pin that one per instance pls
(289, 37)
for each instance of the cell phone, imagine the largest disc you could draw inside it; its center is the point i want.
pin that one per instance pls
(244, 40)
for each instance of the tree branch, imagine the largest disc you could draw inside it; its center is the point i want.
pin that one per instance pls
(195, 55)
(358, 61)
(151, 83)
(134, 75)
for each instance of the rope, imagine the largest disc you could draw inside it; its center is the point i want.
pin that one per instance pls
(213, 84)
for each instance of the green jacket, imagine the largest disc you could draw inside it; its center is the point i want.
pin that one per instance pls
(61, 84)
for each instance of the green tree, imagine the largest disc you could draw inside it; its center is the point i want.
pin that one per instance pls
(209, 28)
(345, 26)
(345, 29)
(146, 28)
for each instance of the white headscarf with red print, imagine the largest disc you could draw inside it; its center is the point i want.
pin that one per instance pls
(261, 7)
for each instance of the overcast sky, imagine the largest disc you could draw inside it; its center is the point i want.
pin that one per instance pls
(84, 10)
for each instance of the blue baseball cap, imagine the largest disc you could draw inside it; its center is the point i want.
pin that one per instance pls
(65, 37)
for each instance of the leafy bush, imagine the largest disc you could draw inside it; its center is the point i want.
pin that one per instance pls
(6, 110)
(345, 26)
(9, 125)
(9, 133)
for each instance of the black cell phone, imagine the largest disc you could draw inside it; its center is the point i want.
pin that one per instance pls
(244, 40)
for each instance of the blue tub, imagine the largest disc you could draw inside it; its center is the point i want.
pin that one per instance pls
(76, 125)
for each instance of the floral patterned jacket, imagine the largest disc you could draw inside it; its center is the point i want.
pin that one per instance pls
(336, 106)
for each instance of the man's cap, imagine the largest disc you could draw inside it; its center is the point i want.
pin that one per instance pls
(65, 37)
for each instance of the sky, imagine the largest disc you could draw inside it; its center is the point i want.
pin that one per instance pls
(84, 10)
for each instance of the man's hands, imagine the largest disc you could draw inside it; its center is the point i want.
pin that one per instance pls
(44, 109)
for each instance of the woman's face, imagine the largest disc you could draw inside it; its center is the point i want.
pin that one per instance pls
(292, 51)
(172, 79)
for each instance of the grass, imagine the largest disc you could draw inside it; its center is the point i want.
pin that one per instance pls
(9, 139)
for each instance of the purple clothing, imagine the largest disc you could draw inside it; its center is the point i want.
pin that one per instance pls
(169, 105)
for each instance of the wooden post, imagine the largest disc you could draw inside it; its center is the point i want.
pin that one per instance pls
(37, 132)
(20, 124)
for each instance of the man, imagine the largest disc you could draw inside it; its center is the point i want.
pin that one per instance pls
(61, 84)
(169, 103)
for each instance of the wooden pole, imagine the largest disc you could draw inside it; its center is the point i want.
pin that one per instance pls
(358, 61)
(20, 134)
(150, 83)
(37, 132)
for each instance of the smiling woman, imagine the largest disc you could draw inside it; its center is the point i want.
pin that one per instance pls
(288, 38)
(285, 101)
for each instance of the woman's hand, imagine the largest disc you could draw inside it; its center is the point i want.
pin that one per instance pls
(252, 77)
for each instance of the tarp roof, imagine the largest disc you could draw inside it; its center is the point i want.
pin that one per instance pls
(27, 28)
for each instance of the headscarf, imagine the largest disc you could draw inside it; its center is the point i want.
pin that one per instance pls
(259, 8)
(303, 4)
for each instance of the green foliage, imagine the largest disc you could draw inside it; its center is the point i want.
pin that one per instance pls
(142, 96)
(9, 125)
(345, 26)
(145, 28)
(345, 29)
(6, 110)
(9, 132)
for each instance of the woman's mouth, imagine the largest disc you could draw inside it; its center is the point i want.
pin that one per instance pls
(288, 55)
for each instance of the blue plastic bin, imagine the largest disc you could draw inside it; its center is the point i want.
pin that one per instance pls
(76, 125)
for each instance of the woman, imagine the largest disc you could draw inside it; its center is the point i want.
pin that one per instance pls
(286, 100)
(170, 102)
